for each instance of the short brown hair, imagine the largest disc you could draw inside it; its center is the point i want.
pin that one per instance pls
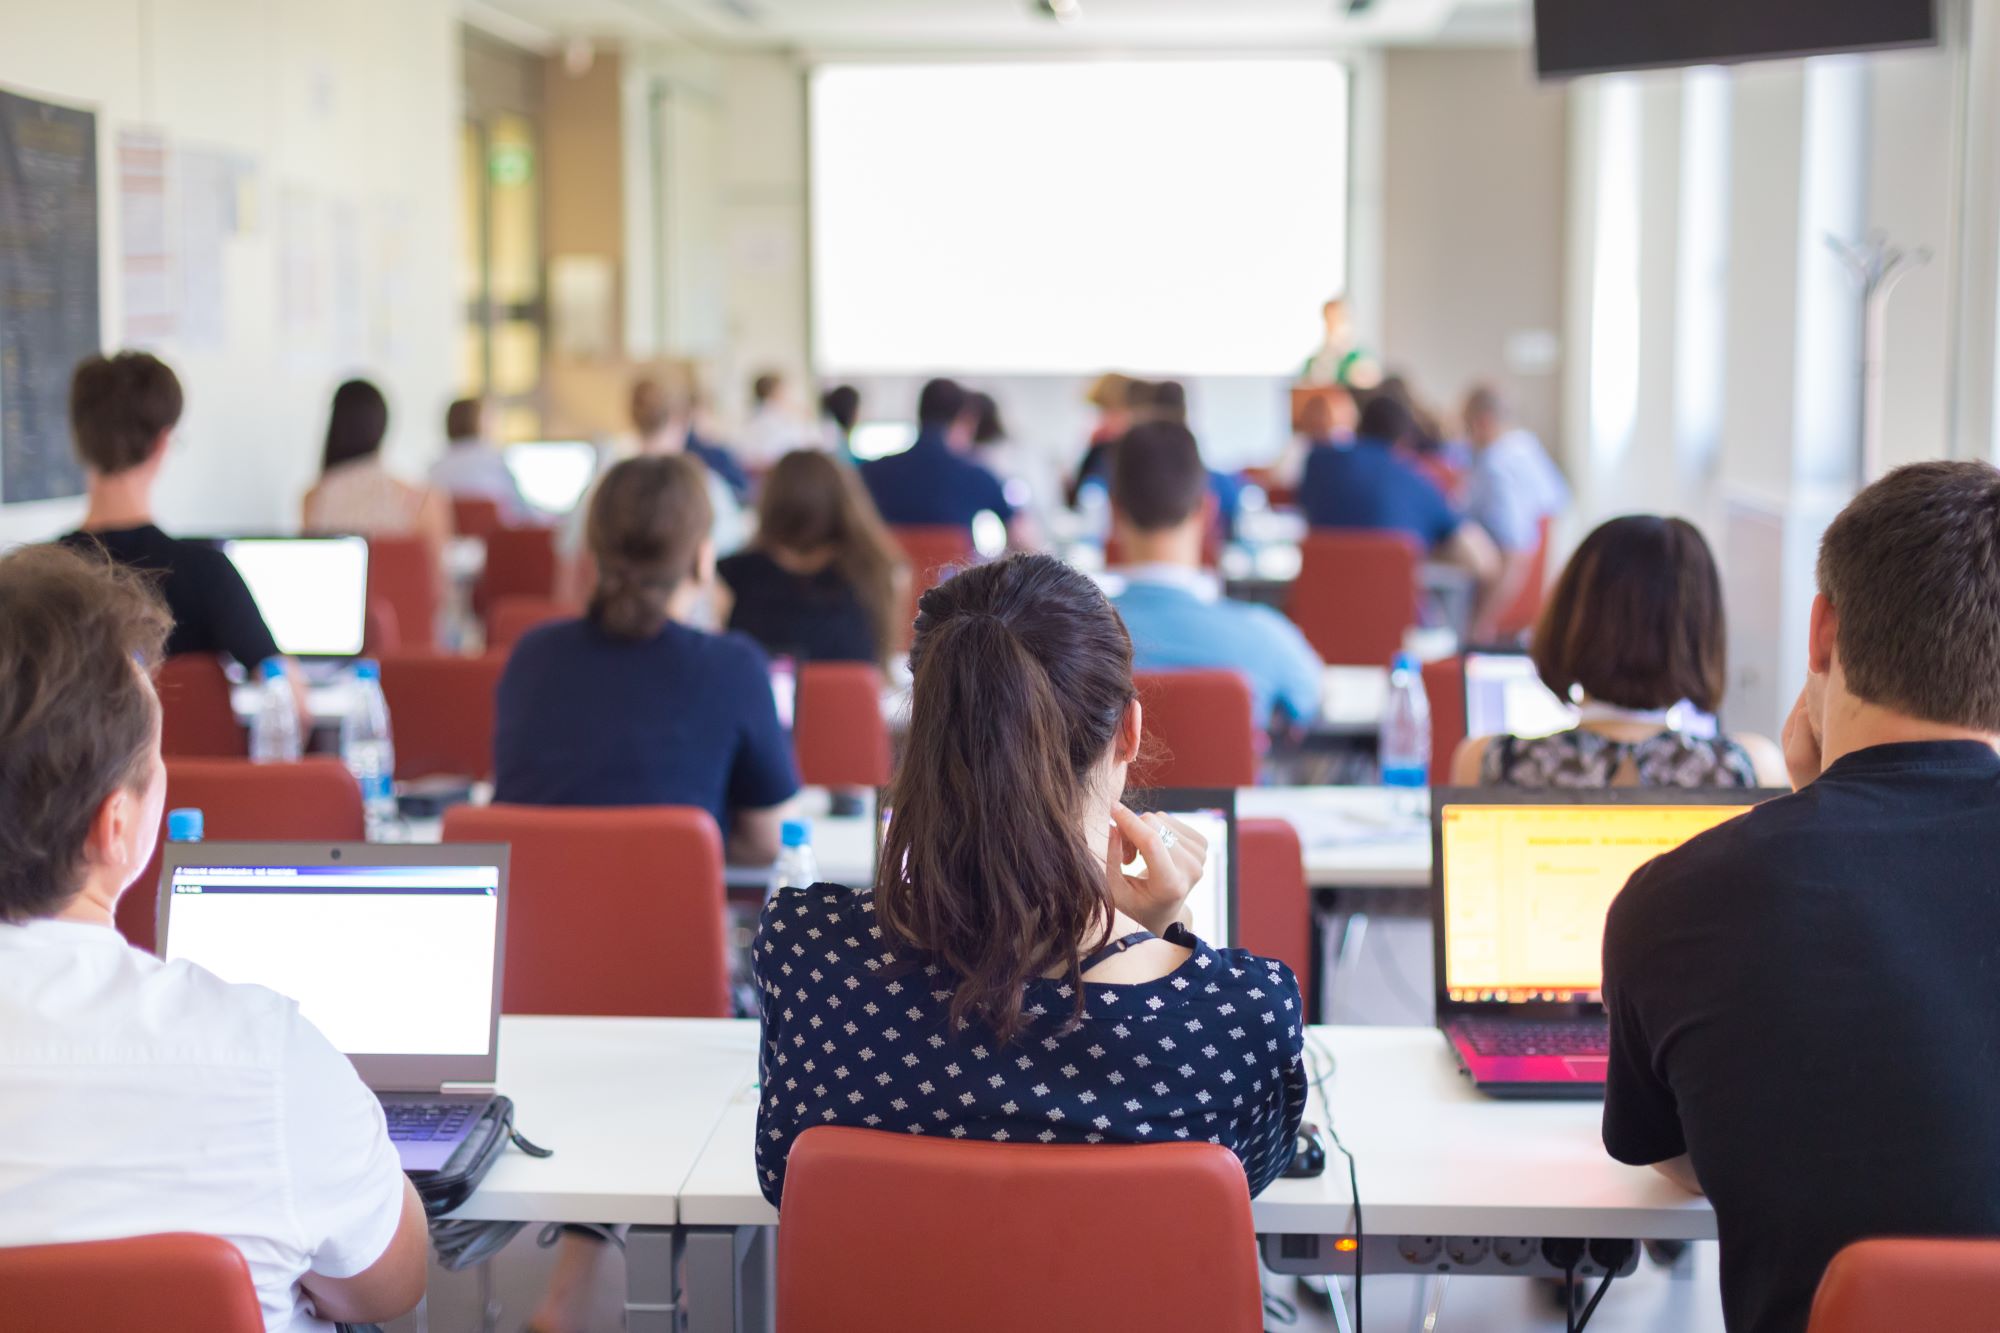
(1157, 478)
(76, 719)
(118, 407)
(464, 419)
(647, 522)
(1912, 566)
(1636, 618)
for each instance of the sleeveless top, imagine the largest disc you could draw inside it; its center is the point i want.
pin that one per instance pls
(1588, 759)
(361, 496)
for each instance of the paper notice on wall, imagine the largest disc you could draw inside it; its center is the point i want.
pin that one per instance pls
(350, 289)
(583, 307)
(217, 204)
(303, 325)
(146, 276)
(392, 279)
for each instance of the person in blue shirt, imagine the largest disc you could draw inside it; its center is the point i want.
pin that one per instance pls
(1511, 488)
(933, 483)
(1007, 979)
(1174, 609)
(1369, 485)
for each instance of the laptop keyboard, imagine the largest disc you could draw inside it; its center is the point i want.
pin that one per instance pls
(1587, 1037)
(426, 1122)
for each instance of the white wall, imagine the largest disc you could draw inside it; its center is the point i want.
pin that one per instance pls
(357, 105)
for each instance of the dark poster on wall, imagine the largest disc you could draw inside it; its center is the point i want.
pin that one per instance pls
(48, 289)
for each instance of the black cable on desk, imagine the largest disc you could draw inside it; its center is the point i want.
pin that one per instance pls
(1322, 1070)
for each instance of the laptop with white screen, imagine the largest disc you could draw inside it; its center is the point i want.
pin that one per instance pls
(552, 475)
(1522, 882)
(311, 591)
(393, 952)
(1505, 696)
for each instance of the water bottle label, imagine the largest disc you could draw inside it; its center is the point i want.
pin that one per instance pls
(1404, 775)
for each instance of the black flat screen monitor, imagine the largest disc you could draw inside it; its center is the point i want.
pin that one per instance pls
(1594, 36)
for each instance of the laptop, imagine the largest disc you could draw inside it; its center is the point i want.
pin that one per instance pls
(1521, 884)
(393, 952)
(1212, 812)
(1504, 696)
(311, 591)
(552, 475)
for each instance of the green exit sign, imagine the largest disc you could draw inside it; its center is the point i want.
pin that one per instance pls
(510, 163)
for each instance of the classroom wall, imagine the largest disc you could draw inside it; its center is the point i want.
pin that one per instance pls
(347, 115)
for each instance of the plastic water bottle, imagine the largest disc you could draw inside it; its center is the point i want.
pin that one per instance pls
(368, 750)
(795, 867)
(274, 729)
(1406, 728)
(184, 825)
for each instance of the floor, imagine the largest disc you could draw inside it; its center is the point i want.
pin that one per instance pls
(1387, 981)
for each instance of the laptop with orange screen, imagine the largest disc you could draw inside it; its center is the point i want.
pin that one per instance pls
(1521, 884)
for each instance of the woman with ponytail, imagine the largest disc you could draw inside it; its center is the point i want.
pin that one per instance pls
(1012, 977)
(629, 705)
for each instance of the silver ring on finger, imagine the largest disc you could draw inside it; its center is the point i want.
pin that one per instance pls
(1167, 839)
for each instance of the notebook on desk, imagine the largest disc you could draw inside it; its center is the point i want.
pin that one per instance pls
(1521, 884)
(392, 952)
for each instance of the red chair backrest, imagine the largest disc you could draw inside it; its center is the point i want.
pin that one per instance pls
(1200, 730)
(1444, 689)
(511, 617)
(441, 712)
(1273, 901)
(1526, 608)
(838, 731)
(610, 912)
(403, 575)
(313, 800)
(472, 516)
(382, 632)
(196, 716)
(173, 1283)
(1356, 595)
(520, 562)
(1875, 1285)
(899, 1234)
(933, 553)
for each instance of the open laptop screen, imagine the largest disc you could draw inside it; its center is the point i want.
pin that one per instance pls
(552, 475)
(311, 591)
(1505, 696)
(386, 960)
(1525, 890)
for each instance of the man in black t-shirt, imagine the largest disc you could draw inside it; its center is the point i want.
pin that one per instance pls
(122, 410)
(1804, 1021)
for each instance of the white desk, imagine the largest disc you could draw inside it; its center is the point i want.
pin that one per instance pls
(1353, 837)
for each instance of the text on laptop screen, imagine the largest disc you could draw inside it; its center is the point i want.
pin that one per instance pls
(311, 591)
(1505, 696)
(385, 960)
(552, 474)
(1526, 889)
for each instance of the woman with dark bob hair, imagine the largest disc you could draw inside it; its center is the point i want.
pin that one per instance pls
(1010, 977)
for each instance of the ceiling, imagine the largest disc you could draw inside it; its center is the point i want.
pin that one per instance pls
(844, 26)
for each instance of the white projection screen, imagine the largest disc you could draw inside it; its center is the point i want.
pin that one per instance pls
(1167, 216)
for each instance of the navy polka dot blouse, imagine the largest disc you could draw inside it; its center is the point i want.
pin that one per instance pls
(856, 1033)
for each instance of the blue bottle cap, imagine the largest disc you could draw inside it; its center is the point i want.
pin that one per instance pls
(184, 825)
(367, 668)
(273, 668)
(795, 833)
(1404, 662)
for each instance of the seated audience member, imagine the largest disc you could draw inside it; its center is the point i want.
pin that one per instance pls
(630, 705)
(933, 483)
(1173, 607)
(1510, 488)
(663, 422)
(840, 412)
(819, 582)
(1635, 634)
(1013, 913)
(122, 410)
(473, 467)
(1800, 1001)
(1326, 420)
(1368, 485)
(773, 429)
(1028, 476)
(1110, 394)
(137, 1096)
(356, 493)
(1165, 401)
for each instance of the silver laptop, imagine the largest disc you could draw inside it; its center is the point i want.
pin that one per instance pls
(393, 952)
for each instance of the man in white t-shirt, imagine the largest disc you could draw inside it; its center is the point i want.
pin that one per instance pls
(138, 1096)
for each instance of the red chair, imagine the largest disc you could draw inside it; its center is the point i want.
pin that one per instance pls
(1274, 914)
(899, 1234)
(381, 633)
(838, 731)
(403, 576)
(474, 517)
(1875, 1285)
(1356, 595)
(172, 1283)
(1444, 688)
(441, 711)
(1526, 608)
(197, 718)
(520, 562)
(610, 912)
(933, 553)
(313, 800)
(1199, 731)
(511, 617)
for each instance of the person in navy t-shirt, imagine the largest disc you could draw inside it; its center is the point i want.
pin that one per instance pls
(933, 483)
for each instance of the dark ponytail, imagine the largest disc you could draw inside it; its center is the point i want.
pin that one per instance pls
(1023, 674)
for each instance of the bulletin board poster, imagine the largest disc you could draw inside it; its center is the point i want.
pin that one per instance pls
(48, 289)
